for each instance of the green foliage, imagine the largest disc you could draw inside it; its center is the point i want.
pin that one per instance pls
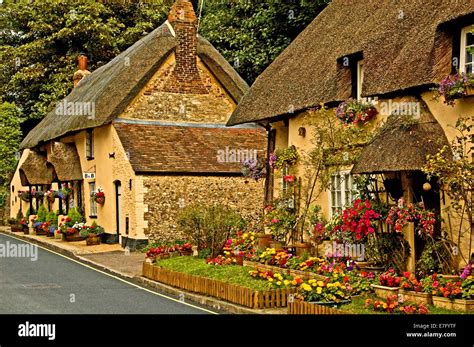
(42, 214)
(209, 226)
(390, 250)
(286, 157)
(27, 215)
(41, 40)
(75, 216)
(280, 219)
(93, 229)
(10, 137)
(251, 34)
(19, 215)
(52, 217)
(435, 258)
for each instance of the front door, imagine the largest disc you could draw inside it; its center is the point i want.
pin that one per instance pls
(118, 211)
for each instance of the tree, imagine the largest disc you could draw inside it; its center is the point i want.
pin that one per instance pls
(10, 137)
(251, 34)
(40, 41)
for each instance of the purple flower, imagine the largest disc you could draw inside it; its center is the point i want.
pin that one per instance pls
(467, 271)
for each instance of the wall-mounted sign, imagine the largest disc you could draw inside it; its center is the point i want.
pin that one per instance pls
(88, 175)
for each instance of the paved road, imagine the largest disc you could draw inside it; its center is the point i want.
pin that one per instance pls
(53, 284)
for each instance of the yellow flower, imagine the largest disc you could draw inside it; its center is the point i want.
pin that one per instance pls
(337, 284)
(330, 285)
(311, 281)
(270, 279)
(252, 238)
(244, 236)
(320, 283)
(286, 282)
(279, 283)
(306, 287)
(319, 290)
(384, 305)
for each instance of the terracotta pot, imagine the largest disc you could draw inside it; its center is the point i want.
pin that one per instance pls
(263, 241)
(302, 248)
(73, 237)
(93, 240)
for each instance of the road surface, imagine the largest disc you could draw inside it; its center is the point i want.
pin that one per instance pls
(54, 284)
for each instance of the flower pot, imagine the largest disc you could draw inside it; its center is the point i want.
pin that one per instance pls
(41, 232)
(276, 244)
(263, 241)
(302, 248)
(416, 297)
(58, 235)
(93, 240)
(26, 229)
(239, 260)
(16, 228)
(73, 237)
(186, 252)
(384, 292)
(100, 200)
(453, 304)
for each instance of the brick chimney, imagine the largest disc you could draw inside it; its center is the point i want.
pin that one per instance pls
(185, 78)
(82, 69)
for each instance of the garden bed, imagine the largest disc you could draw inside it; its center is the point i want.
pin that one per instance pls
(305, 275)
(231, 283)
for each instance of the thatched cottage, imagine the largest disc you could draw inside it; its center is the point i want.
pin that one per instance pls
(149, 129)
(390, 55)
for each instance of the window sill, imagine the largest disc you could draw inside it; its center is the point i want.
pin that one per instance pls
(90, 158)
(93, 217)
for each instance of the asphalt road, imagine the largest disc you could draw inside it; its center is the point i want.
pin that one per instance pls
(56, 285)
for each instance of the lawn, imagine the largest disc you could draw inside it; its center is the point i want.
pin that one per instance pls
(232, 274)
(357, 306)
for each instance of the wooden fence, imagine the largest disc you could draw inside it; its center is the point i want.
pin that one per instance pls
(305, 275)
(302, 307)
(233, 293)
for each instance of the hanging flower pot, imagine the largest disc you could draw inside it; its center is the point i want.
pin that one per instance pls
(98, 196)
(100, 200)
(24, 195)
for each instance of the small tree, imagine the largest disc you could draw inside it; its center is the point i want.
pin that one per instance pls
(454, 169)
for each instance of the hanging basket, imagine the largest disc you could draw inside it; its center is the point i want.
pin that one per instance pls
(100, 200)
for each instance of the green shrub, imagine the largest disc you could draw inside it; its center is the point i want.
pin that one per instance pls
(75, 216)
(42, 213)
(52, 217)
(210, 226)
(28, 213)
(19, 216)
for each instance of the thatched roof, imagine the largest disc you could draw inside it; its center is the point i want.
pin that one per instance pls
(66, 162)
(399, 49)
(187, 148)
(399, 146)
(36, 170)
(113, 86)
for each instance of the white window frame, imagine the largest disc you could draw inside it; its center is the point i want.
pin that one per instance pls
(89, 144)
(463, 51)
(360, 79)
(333, 206)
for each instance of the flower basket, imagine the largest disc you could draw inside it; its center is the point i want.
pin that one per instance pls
(416, 297)
(383, 292)
(25, 196)
(93, 240)
(50, 198)
(26, 230)
(73, 237)
(100, 200)
(16, 228)
(453, 304)
(186, 252)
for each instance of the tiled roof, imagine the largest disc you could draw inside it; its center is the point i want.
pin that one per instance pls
(158, 148)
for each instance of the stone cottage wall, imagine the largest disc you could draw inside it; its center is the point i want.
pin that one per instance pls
(167, 195)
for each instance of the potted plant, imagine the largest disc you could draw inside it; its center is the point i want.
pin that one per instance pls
(412, 290)
(71, 225)
(24, 224)
(98, 196)
(92, 234)
(456, 86)
(186, 249)
(254, 169)
(389, 284)
(283, 158)
(356, 112)
(451, 295)
(324, 292)
(24, 195)
(51, 195)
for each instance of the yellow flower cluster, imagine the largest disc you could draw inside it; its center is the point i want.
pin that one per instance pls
(250, 235)
(267, 252)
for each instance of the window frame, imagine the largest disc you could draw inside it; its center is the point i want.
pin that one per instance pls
(360, 79)
(343, 192)
(89, 144)
(463, 49)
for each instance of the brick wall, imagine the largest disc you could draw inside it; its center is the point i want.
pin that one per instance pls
(163, 195)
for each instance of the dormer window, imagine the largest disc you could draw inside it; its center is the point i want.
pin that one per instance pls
(467, 50)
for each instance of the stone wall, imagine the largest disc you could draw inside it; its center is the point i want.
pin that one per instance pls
(166, 195)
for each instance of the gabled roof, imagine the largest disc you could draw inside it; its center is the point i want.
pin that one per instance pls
(190, 149)
(397, 39)
(113, 86)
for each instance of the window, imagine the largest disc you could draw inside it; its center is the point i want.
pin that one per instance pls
(343, 191)
(89, 144)
(360, 79)
(467, 50)
(93, 206)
